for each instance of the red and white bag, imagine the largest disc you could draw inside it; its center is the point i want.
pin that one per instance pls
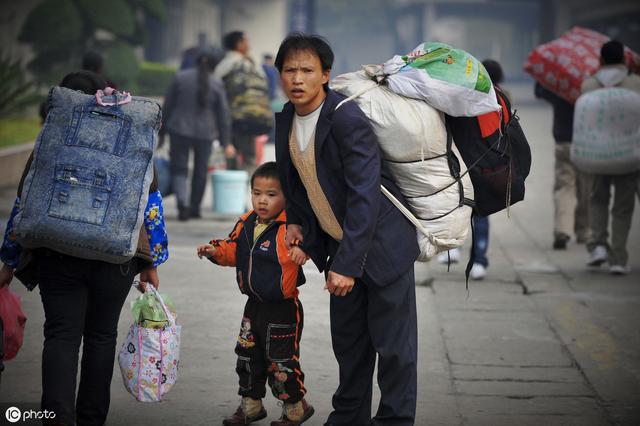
(562, 64)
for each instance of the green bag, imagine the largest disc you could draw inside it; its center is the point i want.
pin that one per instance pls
(454, 66)
(451, 80)
(148, 313)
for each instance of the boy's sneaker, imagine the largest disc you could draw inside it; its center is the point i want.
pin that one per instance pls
(294, 414)
(452, 256)
(478, 271)
(619, 270)
(598, 256)
(250, 410)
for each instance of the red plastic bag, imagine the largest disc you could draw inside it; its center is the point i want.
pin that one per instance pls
(562, 64)
(13, 320)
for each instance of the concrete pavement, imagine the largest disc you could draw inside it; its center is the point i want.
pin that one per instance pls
(541, 340)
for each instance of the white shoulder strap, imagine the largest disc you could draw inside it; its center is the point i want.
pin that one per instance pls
(408, 215)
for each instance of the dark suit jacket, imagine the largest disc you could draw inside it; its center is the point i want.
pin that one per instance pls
(379, 243)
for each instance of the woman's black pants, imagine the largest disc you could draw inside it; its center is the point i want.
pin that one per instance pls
(82, 301)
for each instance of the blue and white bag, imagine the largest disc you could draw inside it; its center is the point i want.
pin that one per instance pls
(88, 184)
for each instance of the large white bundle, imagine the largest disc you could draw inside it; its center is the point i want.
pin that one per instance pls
(606, 132)
(413, 141)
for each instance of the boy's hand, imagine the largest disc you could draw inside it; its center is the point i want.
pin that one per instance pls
(206, 250)
(298, 256)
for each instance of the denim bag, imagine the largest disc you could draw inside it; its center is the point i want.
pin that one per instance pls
(88, 184)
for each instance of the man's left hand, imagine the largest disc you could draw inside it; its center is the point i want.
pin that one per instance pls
(339, 285)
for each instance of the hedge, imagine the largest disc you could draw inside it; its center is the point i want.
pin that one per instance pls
(154, 78)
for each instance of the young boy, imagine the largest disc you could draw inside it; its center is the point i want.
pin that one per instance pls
(268, 346)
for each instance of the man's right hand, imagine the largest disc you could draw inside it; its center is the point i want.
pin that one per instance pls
(294, 232)
(6, 275)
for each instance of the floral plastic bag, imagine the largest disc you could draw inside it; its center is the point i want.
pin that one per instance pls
(13, 321)
(150, 356)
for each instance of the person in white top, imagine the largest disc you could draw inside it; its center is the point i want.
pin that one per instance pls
(331, 171)
(612, 73)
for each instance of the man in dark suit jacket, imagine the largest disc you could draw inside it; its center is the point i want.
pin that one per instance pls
(331, 171)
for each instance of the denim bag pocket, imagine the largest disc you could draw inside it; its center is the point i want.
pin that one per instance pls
(80, 194)
(99, 128)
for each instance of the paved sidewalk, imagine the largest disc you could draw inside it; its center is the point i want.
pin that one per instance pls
(540, 341)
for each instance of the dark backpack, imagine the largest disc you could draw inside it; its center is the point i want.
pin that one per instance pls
(248, 95)
(497, 154)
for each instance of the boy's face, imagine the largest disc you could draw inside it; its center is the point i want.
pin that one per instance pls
(302, 79)
(267, 198)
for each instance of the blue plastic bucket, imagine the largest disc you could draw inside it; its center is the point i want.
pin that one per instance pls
(229, 191)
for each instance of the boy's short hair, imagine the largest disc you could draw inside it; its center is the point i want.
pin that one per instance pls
(267, 170)
(612, 52)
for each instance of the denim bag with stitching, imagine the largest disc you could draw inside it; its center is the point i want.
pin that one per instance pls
(88, 184)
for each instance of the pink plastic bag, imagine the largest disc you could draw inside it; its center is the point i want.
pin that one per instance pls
(13, 320)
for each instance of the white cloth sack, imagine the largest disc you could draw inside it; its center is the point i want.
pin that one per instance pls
(451, 80)
(606, 132)
(413, 142)
(149, 357)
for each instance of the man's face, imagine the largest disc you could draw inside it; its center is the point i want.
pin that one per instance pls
(302, 78)
(243, 45)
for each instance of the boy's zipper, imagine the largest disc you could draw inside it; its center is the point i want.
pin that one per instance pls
(251, 257)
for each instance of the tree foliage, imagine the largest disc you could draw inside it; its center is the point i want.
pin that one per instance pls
(61, 31)
(15, 91)
(114, 16)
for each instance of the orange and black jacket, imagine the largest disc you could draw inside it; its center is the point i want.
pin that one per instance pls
(263, 269)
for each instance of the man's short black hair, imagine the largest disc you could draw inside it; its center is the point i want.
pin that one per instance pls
(92, 61)
(230, 40)
(267, 170)
(296, 42)
(612, 52)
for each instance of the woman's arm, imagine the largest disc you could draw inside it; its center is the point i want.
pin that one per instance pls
(156, 230)
(11, 250)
